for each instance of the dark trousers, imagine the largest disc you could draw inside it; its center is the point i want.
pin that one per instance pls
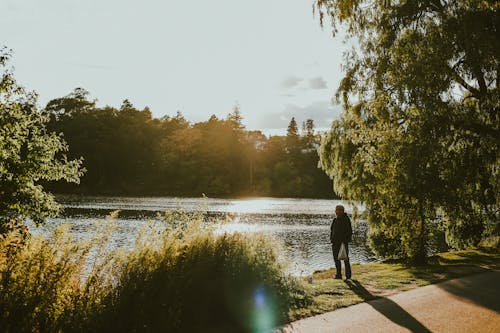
(338, 267)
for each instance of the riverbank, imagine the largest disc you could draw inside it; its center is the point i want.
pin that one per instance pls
(382, 279)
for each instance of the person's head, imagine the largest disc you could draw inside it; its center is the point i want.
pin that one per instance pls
(339, 210)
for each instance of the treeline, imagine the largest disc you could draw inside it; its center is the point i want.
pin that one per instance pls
(128, 152)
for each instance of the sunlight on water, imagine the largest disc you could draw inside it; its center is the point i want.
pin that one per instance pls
(302, 226)
(232, 227)
(282, 205)
(251, 205)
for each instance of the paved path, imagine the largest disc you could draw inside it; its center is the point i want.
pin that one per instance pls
(469, 304)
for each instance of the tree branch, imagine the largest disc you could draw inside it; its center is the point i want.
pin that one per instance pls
(474, 91)
(483, 89)
(498, 76)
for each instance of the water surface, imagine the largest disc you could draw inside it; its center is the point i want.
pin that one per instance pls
(302, 225)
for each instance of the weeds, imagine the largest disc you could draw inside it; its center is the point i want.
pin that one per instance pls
(180, 278)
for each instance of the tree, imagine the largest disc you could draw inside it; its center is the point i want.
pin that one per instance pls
(308, 134)
(127, 151)
(28, 155)
(292, 140)
(236, 119)
(292, 130)
(419, 137)
(76, 101)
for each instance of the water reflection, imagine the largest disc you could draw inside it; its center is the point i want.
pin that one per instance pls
(250, 205)
(302, 225)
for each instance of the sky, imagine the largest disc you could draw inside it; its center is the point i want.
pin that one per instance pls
(271, 57)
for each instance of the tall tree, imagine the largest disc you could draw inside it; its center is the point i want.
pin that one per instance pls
(308, 134)
(419, 136)
(29, 154)
(76, 101)
(235, 118)
(292, 140)
(292, 130)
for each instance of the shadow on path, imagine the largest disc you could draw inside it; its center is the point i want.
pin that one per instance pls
(388, 308)
(482, 290)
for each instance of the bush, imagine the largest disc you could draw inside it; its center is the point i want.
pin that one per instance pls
(392, 246)
(42, 281)
(465, 233)
(385, 246)
(184, 278)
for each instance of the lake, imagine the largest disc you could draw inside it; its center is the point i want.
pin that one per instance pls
(302, 225)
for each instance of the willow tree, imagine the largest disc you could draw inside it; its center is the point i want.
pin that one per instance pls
(29, 154)
(418, 140)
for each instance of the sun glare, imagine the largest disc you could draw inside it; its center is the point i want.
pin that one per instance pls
(257, 205)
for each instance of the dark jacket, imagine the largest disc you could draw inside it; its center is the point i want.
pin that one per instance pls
(341, 230)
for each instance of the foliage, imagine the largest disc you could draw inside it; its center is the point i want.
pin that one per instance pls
(43, 289)
(127, 151)
(419, 138)
(184, 277)
(29, 154)
(195, 281)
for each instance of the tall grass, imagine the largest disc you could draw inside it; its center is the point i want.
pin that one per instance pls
(180, 278)
(49, 283)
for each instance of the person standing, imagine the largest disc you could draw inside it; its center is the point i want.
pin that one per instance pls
(341, 232)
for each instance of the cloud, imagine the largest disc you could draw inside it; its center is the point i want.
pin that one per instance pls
(290, 82)
(317, 83)
(322, 112)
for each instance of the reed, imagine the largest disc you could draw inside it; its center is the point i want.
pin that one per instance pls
(183, 277)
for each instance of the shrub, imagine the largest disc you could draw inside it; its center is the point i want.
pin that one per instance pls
(41, 281)
(185, 277)
(384, 245)
(191, 279)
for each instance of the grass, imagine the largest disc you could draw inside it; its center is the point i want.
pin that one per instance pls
(387, 278)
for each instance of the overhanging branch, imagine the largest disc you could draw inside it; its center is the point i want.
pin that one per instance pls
(474, 91)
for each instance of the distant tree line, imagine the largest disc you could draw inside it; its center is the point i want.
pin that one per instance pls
(126, 151)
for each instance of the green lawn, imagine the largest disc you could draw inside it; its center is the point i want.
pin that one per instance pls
(382, 279)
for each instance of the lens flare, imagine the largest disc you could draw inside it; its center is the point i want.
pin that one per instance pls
(264, 318)
(259, 298)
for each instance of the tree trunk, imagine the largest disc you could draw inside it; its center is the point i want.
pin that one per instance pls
(420, 257)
